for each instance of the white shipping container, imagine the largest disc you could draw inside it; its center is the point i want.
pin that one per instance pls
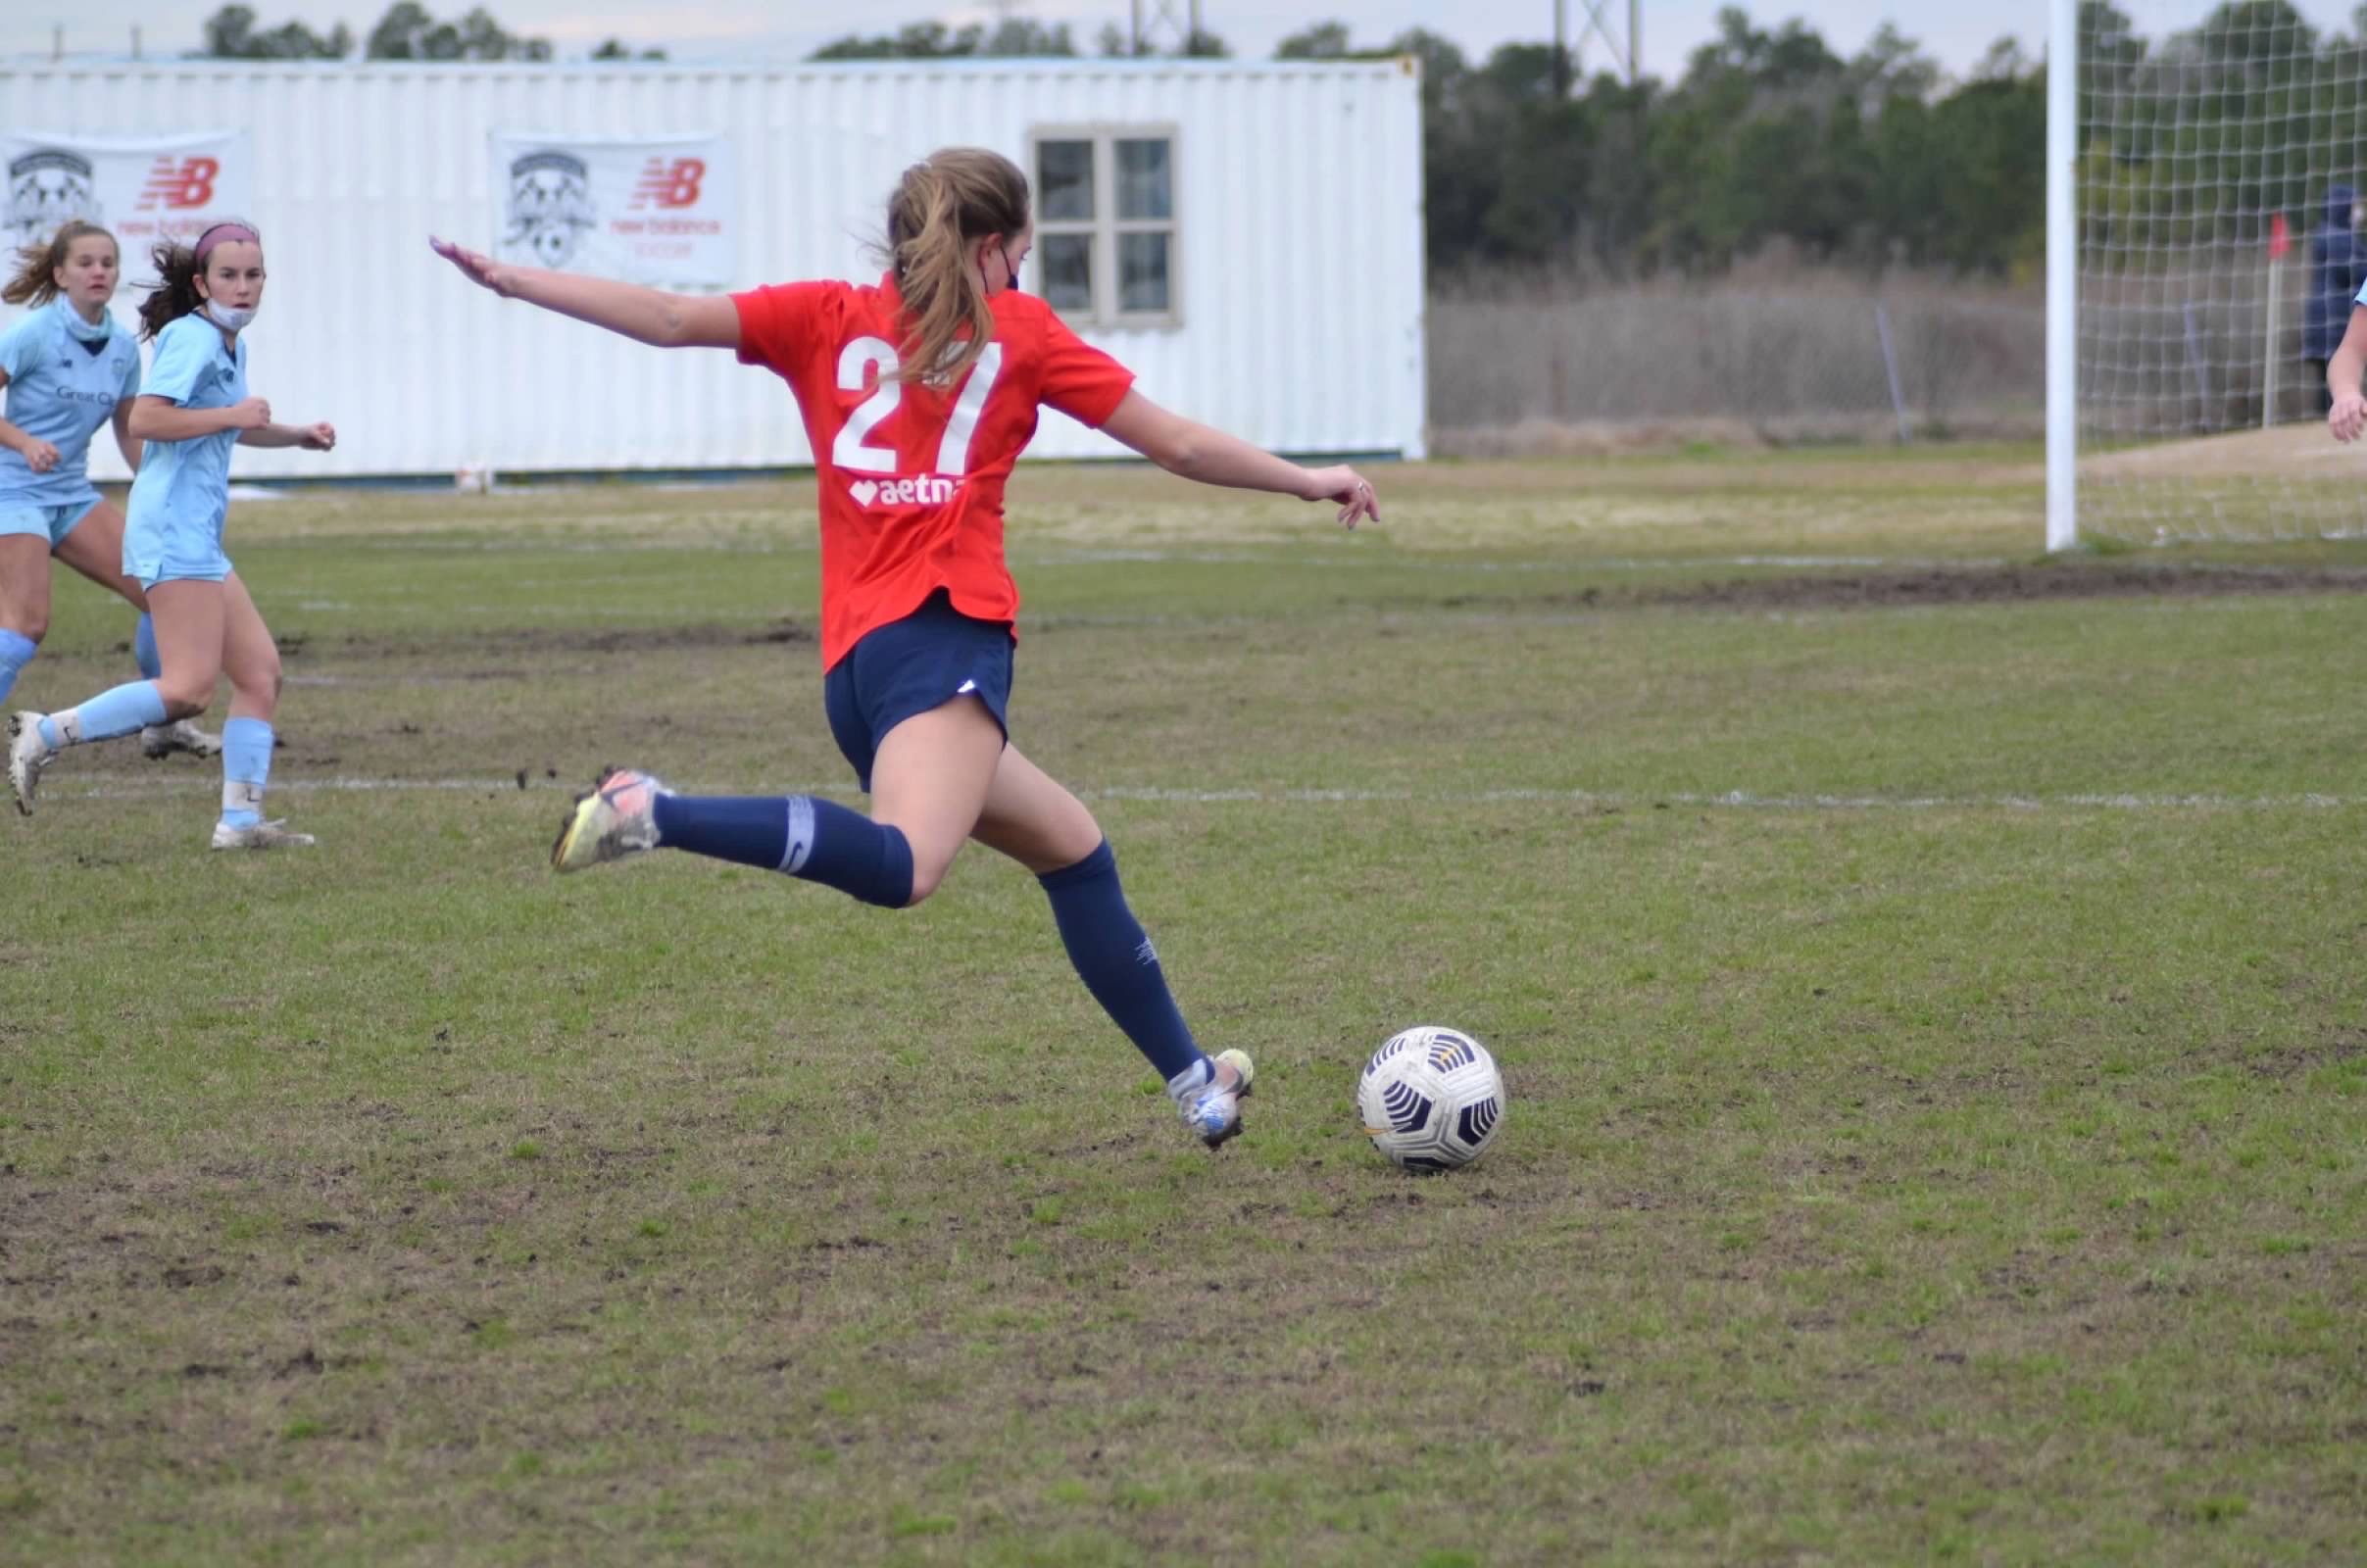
(1294, 215)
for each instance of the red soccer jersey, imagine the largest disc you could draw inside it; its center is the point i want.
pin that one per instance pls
(911, 475)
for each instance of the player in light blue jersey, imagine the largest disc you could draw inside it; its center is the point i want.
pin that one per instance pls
(192, 410)
(68, 370)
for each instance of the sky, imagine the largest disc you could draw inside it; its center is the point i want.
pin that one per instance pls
(1957, 34)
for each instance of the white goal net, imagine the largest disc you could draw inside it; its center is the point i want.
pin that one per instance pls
(2219, 160)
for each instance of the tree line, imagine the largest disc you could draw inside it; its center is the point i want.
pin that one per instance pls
(1768, 137)
(407, 31)
(2204, 138)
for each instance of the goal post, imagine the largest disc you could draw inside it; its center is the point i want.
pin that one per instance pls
(2062, 274)
(2201, 256)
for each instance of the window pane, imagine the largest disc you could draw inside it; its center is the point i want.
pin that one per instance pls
(1146, 178)
(1142, 273)
(1064, 181)
(1065, 262)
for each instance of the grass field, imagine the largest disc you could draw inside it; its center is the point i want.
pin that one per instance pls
(1932, 1006)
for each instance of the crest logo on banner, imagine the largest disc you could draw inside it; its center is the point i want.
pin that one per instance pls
(145, 188)
(550, 207)
(47, 187)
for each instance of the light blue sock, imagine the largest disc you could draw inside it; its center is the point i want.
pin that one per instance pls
(246, 766)
(134, 705)
(15, 652)
(143, 648)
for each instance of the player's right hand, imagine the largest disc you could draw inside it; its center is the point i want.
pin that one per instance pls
(253, 413)
(40, 456)
(2348, 416)
(478, 269)
(1351, 490)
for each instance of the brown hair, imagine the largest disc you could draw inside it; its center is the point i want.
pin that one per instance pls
(36, 278)
(954, 196)
(174, 294)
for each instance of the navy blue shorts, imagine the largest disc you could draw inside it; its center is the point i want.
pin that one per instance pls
(909, 666)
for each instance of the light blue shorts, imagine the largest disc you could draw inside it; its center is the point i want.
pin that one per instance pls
(52, 522)
(174, 553)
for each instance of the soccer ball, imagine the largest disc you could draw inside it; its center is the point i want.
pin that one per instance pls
(1431, 1099)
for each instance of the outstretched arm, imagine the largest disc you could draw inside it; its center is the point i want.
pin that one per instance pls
(2349, 411)
(311, 437)
(160, 418)
(1192, 451)
(645, 314)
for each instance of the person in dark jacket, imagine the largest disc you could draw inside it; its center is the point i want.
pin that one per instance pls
(2338, 266)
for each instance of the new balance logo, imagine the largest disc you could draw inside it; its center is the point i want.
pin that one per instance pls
(928, 491)
(180, 184)
(669, 183)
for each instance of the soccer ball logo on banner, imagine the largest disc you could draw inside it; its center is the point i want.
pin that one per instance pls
(550, 206)
(47, 187)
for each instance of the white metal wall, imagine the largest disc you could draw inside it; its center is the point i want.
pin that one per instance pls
(1298, 194)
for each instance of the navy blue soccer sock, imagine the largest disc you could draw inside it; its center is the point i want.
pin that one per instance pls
(1118, 965)
(804, 836)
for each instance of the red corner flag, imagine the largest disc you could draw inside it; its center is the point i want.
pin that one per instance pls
(2280, 238)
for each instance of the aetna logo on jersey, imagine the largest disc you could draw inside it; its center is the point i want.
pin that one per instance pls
(926, 491)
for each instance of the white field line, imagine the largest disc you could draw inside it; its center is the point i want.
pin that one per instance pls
(1623, 800)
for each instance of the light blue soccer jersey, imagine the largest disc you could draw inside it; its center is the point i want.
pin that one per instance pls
(183, 488)
(61, 390)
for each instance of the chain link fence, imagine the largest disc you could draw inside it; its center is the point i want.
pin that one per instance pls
(1561, 365)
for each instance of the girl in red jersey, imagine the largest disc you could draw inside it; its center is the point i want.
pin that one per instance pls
(919, 394)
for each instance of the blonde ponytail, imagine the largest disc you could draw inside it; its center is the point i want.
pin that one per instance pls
(940, 207)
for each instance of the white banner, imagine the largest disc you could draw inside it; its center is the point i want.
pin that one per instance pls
(658, 210)
(144, 188)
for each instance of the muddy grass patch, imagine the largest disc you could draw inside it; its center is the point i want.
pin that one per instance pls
(1950, 586)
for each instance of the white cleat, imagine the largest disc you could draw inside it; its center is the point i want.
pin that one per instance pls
(614, 819)
(262, 836)
(159, 741)
(27, 754)
(1214, 1110)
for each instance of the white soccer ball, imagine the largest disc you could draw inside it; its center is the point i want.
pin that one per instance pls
(1431, 1099)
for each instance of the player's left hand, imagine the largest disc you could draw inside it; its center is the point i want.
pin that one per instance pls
(1350, 489)
(476, 267)
(321, 437)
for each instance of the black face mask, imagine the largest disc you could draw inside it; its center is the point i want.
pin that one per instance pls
(1013, 268)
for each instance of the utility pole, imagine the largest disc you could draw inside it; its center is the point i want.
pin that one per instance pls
(1627, 53)
(1175, 23)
